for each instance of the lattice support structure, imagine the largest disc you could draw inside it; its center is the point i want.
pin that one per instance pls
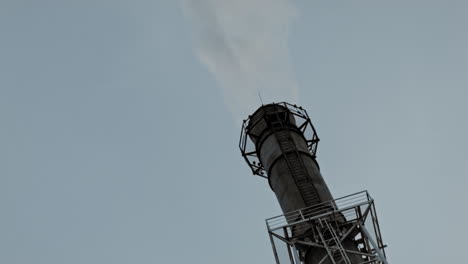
(325, 228)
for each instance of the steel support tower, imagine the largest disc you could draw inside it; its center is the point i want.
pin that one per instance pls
(279, 143)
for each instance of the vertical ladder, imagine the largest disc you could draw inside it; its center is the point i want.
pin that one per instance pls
(295, 163)
(332, 243)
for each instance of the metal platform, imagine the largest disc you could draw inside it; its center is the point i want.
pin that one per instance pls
(326, 226)
(303, 124)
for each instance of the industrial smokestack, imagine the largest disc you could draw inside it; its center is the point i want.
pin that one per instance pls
(292, 170)
(279, 143)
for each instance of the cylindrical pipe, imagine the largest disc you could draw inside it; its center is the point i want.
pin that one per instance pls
(293, 173)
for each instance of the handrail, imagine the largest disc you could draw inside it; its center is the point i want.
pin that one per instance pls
(342, 204)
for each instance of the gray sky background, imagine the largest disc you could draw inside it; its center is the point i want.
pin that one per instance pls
(116, 145)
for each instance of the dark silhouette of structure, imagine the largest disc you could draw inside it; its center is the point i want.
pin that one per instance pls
(279, 143)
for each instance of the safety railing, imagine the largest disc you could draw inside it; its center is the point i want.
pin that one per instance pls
(344, 207)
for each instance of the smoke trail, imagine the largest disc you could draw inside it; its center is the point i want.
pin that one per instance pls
(244, 44)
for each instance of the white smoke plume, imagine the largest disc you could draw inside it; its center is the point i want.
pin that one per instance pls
(244, 44)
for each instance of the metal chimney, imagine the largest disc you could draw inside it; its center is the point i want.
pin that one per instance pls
(279, 143)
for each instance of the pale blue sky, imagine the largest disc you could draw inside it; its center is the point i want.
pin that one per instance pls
(116, 145)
